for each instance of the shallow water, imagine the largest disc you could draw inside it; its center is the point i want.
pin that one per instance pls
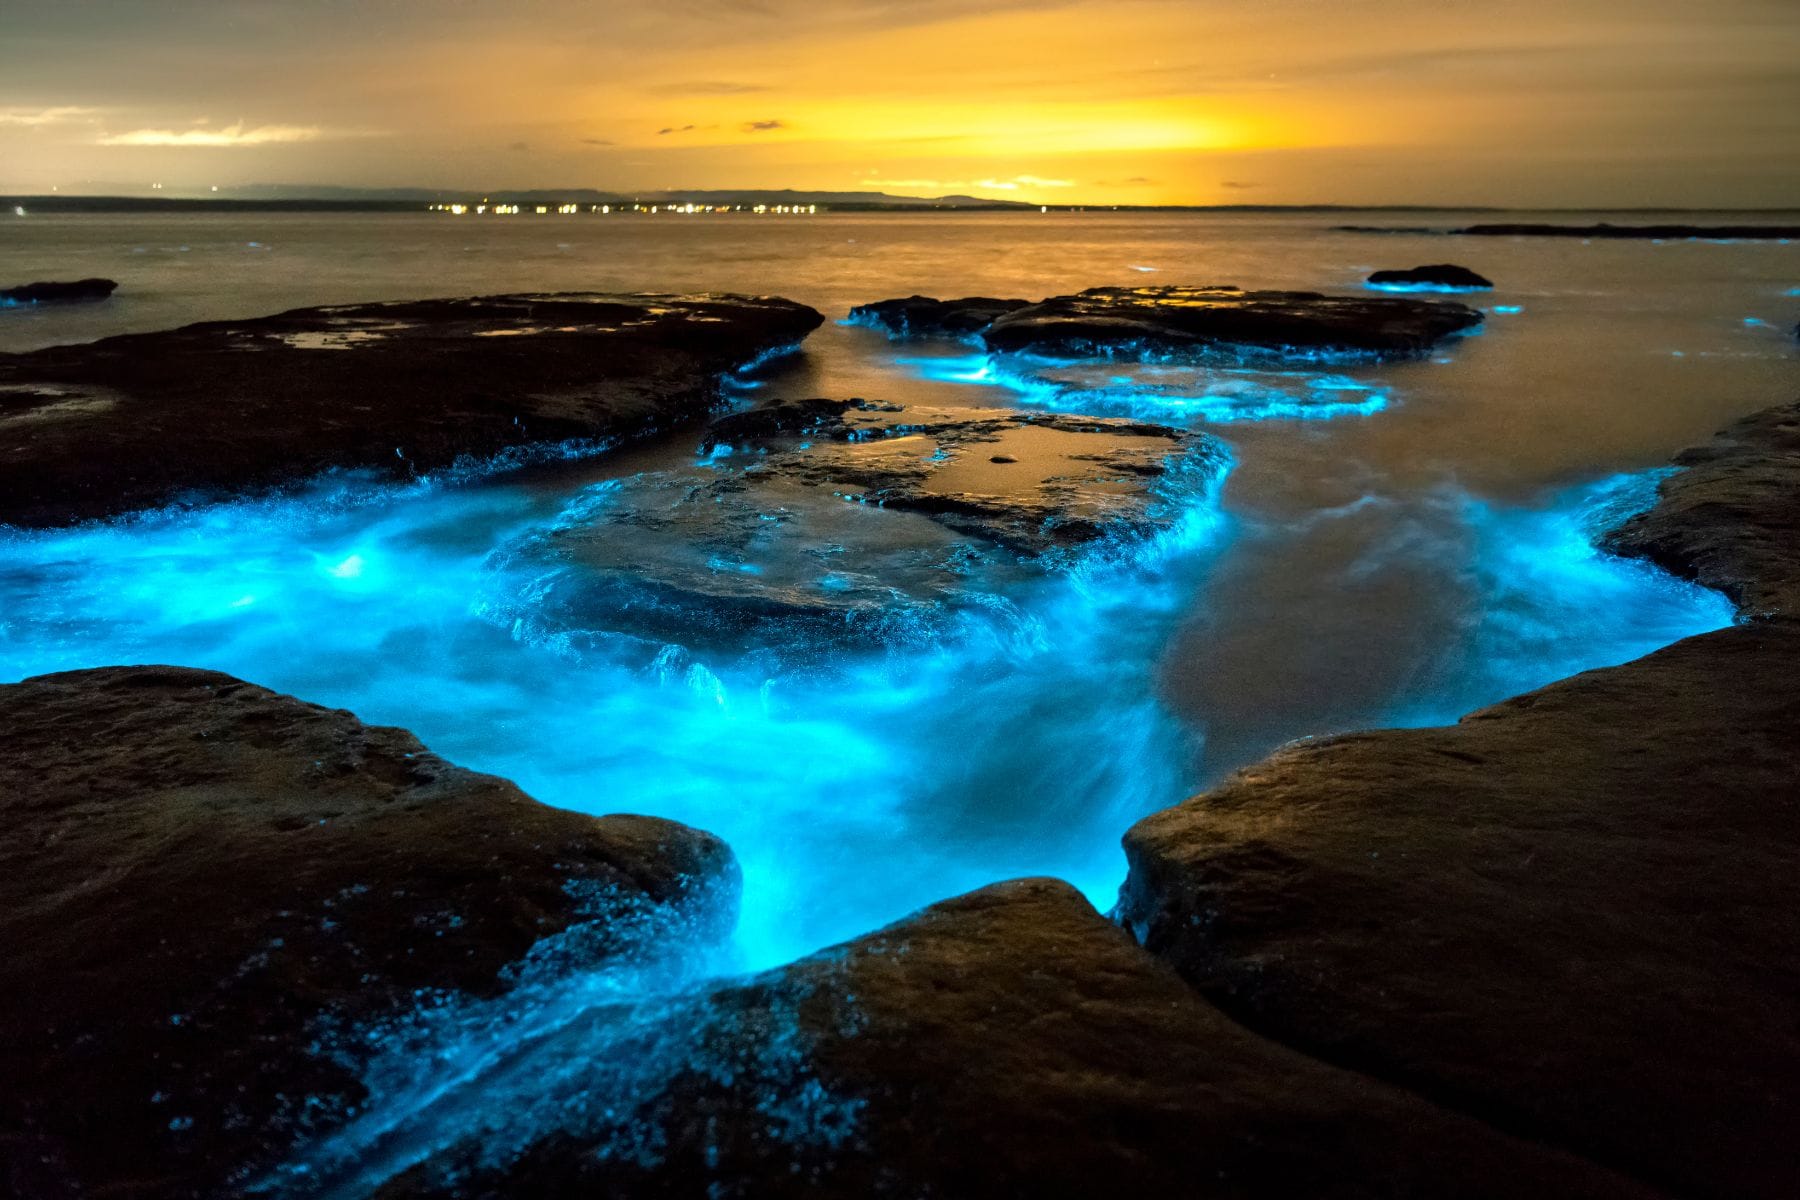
(1394, 544)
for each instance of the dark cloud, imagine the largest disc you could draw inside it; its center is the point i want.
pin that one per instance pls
(597, 142)
(1237, 185)
(667, 129)
(763, 126)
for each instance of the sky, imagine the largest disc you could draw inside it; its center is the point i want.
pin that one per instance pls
(1593, 103)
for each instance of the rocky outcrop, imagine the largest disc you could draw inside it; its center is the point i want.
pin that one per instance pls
(1657, 232)
(1197, 322)
(820, 523)
(395, 389)
(1574, 915)
(1730, 519)
(79, 291)
(1011, 1042)
(926, 317)
(1439, 277)
(201, 878)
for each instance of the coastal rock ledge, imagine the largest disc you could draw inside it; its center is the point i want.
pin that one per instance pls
(1182, 323)
(397, 389)
(1010, 1042)
(1574, 915)
(201, 878)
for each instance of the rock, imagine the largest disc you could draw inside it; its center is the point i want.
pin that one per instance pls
(201, 878)
(824, 522)
(1440, 277)
(44, 292)
(1188, 322)
(1730, 519)
(1011, 1042)
(395, 389)
(1575, 914)
(926, 317)
(1657, 232)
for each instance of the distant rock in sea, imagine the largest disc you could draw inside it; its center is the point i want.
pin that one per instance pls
(396, 389)
(1439, 277)
(1184, 323)
(208, 891)
(78, 292)
(924, 317)
(1668, 233)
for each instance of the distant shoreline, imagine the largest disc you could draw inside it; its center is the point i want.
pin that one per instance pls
(33, 204)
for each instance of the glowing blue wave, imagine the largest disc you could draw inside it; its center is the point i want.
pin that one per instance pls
(1178, 393)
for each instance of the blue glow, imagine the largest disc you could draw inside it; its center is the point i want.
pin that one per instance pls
(1023, 744)
(1170, 393)
(1440, 288)
(1507, 309)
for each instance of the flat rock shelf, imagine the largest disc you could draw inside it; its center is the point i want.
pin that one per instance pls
(397, 389)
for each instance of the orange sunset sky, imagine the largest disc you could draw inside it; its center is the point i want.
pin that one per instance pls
(1521, 102)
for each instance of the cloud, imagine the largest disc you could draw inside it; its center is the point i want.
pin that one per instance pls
(35, 117)
(519, 147)
(1235, 185)
(597, 142)
(668, 129)
(763, 126)
(231, 135)
(706, 87)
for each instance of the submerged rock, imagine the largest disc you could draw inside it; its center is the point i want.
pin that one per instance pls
(926, 317)
(202, 880)
(1011, 1042)
(1730, 519)
(833, 521)
(1185, 322)
(57, 292)
(397, 389)
(1575, 914)
(1446, 277)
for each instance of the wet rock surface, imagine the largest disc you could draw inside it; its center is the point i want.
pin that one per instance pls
(1730, 519)
(1574, 915)
(849, 521)
(79, 291)
(396, 389)
(1178, 322)
(1445, 276)
(1009, 1042)
(925, 316)
(202, 879)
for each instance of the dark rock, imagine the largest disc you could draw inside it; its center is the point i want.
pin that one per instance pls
(1446, 277)
(1657, 232)
(1731, 518)
(926, 317)
(1576, 914)
(1185, 322)
(200, 878)
(820, 523)
(1011, 1042)
(143, 420)
(44, 292)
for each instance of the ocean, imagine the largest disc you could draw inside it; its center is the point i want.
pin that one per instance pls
(1394, 544)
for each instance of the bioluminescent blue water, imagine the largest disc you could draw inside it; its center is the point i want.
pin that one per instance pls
(1441, 288)
(1169, 393)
